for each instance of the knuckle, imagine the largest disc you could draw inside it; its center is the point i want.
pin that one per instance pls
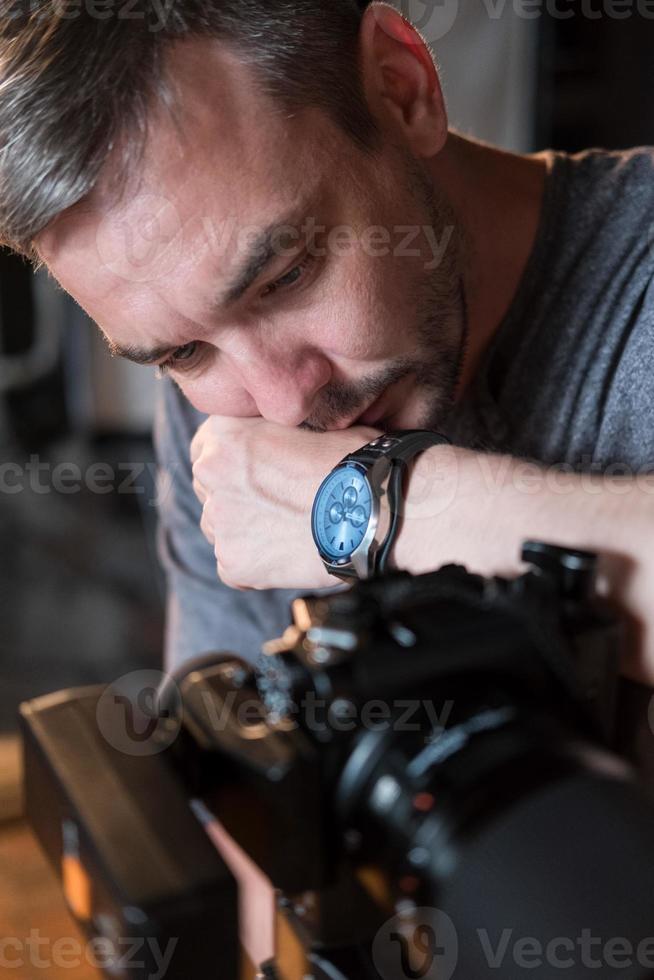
(206, 526)
(197, 445)
(197, 470)
(224, 575)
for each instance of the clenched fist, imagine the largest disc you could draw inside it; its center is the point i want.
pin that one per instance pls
(256, 482)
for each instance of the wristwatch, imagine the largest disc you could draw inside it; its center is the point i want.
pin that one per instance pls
(352, 532)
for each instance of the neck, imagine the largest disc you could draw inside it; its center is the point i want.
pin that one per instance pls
(498, 196)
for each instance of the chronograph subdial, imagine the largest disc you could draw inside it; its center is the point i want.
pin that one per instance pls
(343, 512)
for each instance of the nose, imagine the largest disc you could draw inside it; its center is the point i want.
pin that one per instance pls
(283, 383)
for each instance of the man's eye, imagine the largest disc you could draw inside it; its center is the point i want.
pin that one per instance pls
(290, 278)
(178, 358)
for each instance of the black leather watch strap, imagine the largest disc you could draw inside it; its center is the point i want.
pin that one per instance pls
(395, 481)
(402, 445)
(399, 447)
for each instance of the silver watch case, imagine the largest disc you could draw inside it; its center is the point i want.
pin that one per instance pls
(361, 563)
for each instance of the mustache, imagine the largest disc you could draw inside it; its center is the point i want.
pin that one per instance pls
(340, 401)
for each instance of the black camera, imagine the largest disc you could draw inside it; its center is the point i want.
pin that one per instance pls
(423, 766)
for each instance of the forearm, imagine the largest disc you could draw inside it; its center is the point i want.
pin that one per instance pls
(476, 509)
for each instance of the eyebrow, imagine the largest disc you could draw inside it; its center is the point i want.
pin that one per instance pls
(261, 251)
(141, 355)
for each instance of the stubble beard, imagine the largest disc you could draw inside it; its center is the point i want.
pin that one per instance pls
(441, 330)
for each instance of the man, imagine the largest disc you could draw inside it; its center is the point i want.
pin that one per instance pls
(264, 199)
(326, 261)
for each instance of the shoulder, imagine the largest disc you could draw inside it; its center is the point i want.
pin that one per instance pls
(607, 185)
(597, 227)
(630, 169)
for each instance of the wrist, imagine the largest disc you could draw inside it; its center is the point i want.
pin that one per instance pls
(334, 446)
(435, 524)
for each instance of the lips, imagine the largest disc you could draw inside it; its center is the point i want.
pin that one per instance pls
(374, 412)
(384, 406)
(388, 402)
(374, 409)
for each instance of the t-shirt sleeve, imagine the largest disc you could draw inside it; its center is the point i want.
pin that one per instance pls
(627, 425)
(203, 614)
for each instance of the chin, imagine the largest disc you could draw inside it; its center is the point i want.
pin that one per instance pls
(408, 417)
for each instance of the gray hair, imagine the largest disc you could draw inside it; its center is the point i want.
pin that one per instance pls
(74, 87)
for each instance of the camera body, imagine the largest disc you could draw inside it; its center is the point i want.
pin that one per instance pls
(438, 742)
(418, 667)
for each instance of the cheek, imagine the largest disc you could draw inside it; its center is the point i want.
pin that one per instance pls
(368, 315)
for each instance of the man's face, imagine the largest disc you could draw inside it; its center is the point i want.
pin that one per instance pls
(269, 265)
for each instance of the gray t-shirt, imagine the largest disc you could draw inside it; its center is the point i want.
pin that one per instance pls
(568, 378)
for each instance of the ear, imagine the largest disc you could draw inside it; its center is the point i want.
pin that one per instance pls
(400, 80)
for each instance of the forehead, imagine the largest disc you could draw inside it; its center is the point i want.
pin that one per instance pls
(233, 162)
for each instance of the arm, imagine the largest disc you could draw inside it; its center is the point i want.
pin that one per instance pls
(477, 508)
(258, 480)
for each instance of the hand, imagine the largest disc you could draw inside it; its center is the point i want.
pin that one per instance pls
(257, 481)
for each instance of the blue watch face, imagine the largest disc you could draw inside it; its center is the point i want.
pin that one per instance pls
(341, 512)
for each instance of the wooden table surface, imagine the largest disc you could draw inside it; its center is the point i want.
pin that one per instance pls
(31, 899)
